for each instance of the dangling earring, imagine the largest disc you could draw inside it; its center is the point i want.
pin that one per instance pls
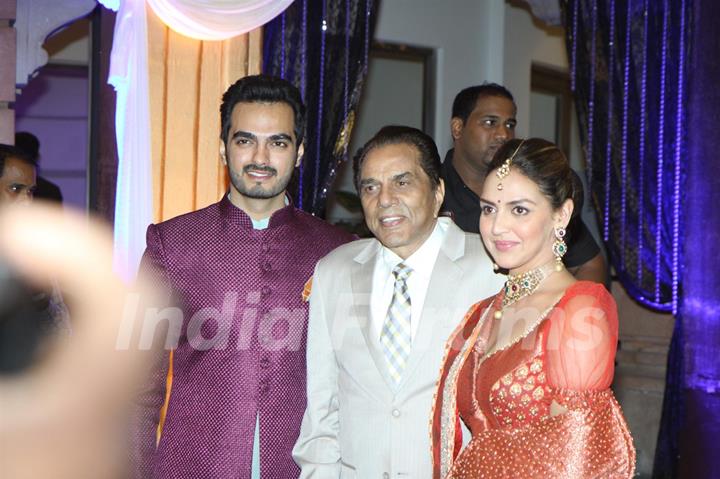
(559, 247)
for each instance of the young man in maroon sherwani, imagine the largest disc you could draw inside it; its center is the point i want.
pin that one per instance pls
(238, 270)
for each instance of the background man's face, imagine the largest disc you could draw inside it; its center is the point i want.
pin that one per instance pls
(261, 149)
(490, 124)
(17, 183)
(397, 197)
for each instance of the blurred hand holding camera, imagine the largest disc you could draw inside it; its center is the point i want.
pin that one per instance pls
(65, 415)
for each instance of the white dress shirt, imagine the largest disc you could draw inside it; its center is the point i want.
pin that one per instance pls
(422, 262)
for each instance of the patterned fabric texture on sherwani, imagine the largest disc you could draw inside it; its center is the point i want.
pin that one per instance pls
(249, 284)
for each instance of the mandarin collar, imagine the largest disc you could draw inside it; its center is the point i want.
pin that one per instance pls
(237, 216)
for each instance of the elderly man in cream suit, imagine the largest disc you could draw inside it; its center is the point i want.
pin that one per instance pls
(380, 312)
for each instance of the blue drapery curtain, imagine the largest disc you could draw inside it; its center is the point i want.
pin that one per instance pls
(629, 74)
(644, 76)
(322, 47)
(700, 307)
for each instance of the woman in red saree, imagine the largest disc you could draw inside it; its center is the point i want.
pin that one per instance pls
(528, 370)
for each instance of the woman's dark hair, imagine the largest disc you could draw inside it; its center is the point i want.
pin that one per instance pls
(542, 162)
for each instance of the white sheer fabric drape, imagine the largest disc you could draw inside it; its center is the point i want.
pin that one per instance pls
(216, 19)
(129, 76)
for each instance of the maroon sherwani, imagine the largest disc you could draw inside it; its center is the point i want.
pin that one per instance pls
(241, 351)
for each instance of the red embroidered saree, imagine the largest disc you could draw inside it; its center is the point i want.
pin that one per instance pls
(566, 357)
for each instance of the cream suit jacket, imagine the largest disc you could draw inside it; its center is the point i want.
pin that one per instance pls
(358, 424)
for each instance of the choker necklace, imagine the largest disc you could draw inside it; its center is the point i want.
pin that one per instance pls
(524, 284)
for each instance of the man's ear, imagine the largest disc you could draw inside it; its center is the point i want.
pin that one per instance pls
(564, 213)
(439, 196)
(223, 153)
(300, 153)
(456, 127)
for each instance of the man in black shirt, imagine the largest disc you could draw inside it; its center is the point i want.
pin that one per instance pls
(483, 118)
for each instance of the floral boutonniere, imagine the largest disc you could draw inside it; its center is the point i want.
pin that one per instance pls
(306, 290)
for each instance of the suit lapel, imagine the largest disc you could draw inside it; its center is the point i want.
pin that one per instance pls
(361, 282)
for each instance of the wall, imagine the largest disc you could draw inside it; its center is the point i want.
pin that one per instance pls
(475, 41)
(390, 96)
(467, 36)
(640, 366)
(54, 106)
(71, 45)
(528, 41)
(468, 43)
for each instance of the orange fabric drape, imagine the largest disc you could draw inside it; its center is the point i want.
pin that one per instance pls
(187, 80)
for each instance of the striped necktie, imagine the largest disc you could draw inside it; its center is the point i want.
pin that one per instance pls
(396, 335)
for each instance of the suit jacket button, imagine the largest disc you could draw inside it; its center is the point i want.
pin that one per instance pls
(267, 266)
(264, 363)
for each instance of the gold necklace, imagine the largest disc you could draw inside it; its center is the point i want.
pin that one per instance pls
(522, 285)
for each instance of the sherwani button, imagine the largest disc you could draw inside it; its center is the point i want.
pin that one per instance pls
(386, 475)
(395, 413)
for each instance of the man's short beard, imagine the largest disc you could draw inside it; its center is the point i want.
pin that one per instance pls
(258, 192)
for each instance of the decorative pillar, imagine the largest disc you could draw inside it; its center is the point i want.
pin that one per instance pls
(7, 72)
(24, 26)
(35, 21)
